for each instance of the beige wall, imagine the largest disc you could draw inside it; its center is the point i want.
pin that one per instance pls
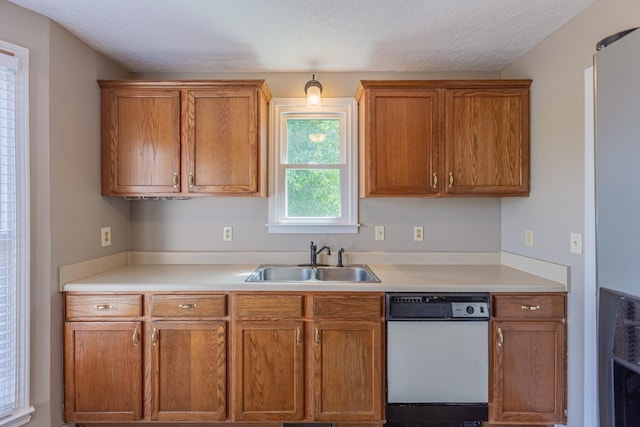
(556, 206)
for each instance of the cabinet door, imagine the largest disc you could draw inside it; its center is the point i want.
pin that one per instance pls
(103, 371)
(188, 370)
(140, 142)
(527, 381)
(269, 372)
(222, 129)
(348, 371)
(486, 141)
(401, 142)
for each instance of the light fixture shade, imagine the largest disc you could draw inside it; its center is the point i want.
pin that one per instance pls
(313, 90)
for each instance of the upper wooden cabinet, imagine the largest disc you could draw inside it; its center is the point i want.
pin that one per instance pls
(444, 138)
(184, 138)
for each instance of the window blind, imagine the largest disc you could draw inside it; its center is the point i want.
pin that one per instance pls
(8, 253)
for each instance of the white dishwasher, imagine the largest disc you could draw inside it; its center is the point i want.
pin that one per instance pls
(437, 359)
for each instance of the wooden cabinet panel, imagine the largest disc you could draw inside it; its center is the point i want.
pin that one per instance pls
(524, 306)
(348, 371)
(486, 141)
(141, 141)
(269, 306)
(222, 141)
(102, 306)
(188, 305)
(269, 379)
(529, 374)
(401, 132)
(344, 307)
(103, 371)
(528, 370)
(188, 370)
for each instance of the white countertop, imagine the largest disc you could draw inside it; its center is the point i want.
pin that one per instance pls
(231, 277)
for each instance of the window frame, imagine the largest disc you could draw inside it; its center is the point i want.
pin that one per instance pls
(18, 57)
(282, 109)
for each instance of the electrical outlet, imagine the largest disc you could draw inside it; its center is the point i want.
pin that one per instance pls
(227, 234)
(379, 232)
(528, 238)
(105, 236)
(576, 243)
(418, 233)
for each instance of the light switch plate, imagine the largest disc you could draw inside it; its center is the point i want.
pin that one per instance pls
(576, 243)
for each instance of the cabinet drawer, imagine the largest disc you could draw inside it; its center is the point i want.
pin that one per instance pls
(346, 307)
(279, 306)
(103, 306)
(528, 306)
(188, 305)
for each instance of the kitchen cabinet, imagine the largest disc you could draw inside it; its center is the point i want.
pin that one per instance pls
(528, 359)
(132, 357)
(434, 138)
(103, 349)
(188, 357)
(184, 138)
(308, 356)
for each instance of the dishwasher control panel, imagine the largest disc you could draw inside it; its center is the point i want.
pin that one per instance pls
(437, 306)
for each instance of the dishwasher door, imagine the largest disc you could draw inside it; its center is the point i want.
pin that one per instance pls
(437, 361)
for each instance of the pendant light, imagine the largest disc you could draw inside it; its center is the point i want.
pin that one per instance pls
(313, 90)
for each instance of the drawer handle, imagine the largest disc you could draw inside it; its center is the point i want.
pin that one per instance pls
(136, 337)
(530, 307)
(187, 306)
(102, 307)
(500, 337)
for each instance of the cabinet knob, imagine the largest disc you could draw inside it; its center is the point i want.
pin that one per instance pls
(191, 180)
(176, 181)
(317, 336)
(298, 336)
(136, 337)
(450, 179)
(435, 180)
(154, 336)
(500, 337)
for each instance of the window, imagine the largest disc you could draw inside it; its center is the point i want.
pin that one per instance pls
(313, 173)
(14, 237)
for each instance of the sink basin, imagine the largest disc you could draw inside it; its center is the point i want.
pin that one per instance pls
(290, 273)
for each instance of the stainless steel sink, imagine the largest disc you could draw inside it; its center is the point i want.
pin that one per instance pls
(293, 273)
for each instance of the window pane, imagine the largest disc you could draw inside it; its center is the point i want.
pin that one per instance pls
(313, 141)
(313, 193)
(8, 253)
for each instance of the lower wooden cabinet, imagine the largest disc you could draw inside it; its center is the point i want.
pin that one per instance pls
(103, 371)
(170, 357)
(308, 357)
(189, 370)
(528, 359)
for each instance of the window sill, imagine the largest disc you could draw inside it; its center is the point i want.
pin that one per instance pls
(18, 418)
(313, 229)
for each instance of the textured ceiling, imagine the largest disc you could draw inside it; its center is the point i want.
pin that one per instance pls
(318, 35)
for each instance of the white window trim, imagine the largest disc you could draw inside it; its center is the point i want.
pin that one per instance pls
(297, 107)
(23, 410)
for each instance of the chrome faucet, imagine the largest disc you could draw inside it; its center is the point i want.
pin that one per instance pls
(313, 261)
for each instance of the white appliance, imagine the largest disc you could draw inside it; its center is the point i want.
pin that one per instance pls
(617, 74)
